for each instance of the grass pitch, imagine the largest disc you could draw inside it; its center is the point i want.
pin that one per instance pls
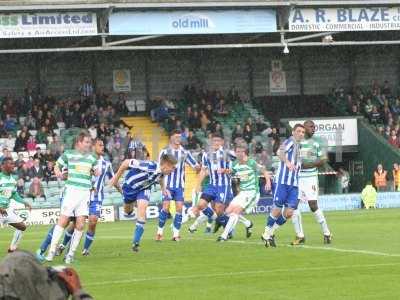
(362, 263)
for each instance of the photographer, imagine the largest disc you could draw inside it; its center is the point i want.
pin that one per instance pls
(21, 269)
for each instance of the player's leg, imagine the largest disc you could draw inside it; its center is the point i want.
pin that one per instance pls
(320, 218)
(142, 203)
(19, 229)
(162, 219)
(81, 212)
(248, 209)
(45, 244)
(207, 212)
(234, 210)
(89, 237)
(298, 228)
(222, 200)
(69, 231)
(68, 204)
(178, 216)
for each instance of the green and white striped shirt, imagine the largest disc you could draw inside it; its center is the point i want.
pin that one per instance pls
(247, 173)
(311, 150)
(8, 190)
(79, 167)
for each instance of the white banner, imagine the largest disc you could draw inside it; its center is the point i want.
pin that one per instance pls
(122, 80)
(51, 215)
(28, 25)
(152, 212)
(277, 82)
(345, 19)
(338, 132)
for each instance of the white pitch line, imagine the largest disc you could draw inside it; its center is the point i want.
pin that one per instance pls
(327, 248)
(240, 273)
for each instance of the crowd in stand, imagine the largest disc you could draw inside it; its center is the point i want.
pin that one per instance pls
(378, 104)
(202, 109)
(31, 127)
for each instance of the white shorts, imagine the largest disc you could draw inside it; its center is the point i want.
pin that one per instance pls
(308, 188)
(246, 200)
(75, 202)
(11, 218)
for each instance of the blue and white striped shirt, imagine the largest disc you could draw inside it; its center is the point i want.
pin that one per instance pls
(292, 152)
(99, 181)
(220, 159)
(141, 175)
(176, 180)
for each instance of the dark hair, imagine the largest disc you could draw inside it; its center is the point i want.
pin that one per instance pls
(175, 131)
(298, 125)
(168, 158)
(6, 159)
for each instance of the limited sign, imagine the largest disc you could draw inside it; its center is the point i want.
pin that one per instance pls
(48, 25)
(345, 19)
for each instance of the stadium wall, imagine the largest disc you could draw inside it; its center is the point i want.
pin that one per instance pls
(164, 73)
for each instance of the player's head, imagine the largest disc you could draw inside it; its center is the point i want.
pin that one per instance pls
(216, 141)
(83, 142)
(241, 151)
(167, 164)
(298, 132)
(309, 127)
(396, 166)
(7, 165)
(99, 146)
(175, 137)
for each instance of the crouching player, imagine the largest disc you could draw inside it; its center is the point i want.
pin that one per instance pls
(136, 187)
(246, 170)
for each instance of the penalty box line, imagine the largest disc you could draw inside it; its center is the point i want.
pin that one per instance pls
(239, 273)
(327, 248)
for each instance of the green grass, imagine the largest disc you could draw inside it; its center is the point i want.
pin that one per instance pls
(362, 263)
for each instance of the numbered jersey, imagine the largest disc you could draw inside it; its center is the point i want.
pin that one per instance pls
(247, 174)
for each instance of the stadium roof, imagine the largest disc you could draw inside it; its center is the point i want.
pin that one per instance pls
(98, 4)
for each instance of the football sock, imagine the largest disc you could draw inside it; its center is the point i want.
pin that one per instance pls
(138, 231)
(319, 216)
(45, 244)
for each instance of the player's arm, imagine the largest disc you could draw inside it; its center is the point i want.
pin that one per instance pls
(123, 167)
(192, 162)
(164, 189)
(110, 175)
(62, 162)
(17, 197)
(283, 149)
(262, 170)
(203, 174)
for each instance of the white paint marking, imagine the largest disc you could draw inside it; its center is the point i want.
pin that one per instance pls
(239, 273)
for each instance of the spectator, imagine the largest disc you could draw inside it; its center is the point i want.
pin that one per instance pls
(344, 180)
(276, 143)
(368, 108)
(31, 144)
(260, 125)
(221, 108)
(237, 132)
(263, 159)
(375, 116)
(20, 142)
(30, 121)
(24, 175)
(20, 161)
(194, 122)
(3, 131)
(102, 131)
(368, 196)
(9, 123)
(218, 129)
(396, 177)
(56, 147)
(354, 110)
(248, 133)
(192, 142)
(49, 174)
(394, 139)
(380, 176)
(40, 155)
(41, 136)
(274, 133)
(37, 170)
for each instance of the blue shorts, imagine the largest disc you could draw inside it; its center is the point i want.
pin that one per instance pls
(130, 195)
(95, 207)
(220, 194)
(286, 195)
(176, 194)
